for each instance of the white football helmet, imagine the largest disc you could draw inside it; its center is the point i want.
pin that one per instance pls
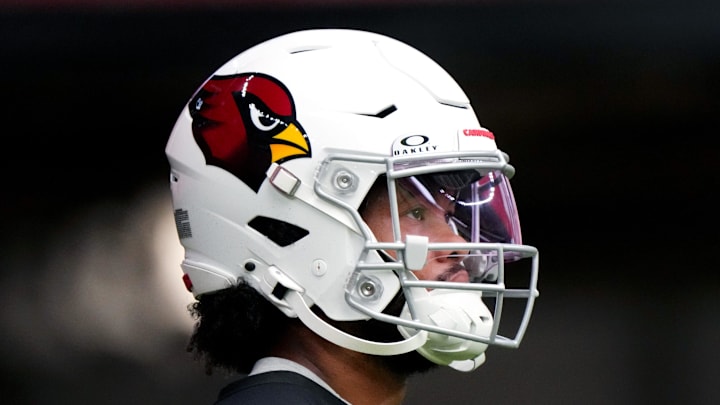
(273, 162)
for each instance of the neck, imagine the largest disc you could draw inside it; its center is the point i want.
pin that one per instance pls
(358, 378)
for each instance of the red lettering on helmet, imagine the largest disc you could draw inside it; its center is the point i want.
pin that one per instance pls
(478, 132)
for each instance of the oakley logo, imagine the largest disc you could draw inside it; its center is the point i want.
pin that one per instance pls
(414, 144)
(415, 140)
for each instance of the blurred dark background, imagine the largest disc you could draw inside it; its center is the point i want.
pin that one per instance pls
(609, 111)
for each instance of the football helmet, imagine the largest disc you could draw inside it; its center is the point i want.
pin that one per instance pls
(339, 169)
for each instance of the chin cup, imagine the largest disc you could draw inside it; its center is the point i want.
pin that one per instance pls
(452, 311)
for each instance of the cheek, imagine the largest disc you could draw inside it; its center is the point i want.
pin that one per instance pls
(434, 227)
(377, 217)
(424, 274)
(382, 228)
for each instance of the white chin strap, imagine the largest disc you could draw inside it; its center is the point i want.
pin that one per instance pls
(340, 338)
(464, 310)
(459, 311)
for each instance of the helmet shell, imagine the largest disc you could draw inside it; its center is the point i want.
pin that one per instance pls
(346, 92)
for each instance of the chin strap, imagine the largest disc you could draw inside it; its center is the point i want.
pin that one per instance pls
(468, 365)
(340, 338)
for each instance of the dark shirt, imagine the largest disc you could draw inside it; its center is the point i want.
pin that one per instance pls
(276, 388)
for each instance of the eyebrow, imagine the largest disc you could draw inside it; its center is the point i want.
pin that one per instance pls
(422, 190)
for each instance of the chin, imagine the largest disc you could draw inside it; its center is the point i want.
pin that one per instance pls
(407, 364)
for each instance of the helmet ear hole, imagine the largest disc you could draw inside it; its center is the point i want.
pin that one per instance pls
(280, 232)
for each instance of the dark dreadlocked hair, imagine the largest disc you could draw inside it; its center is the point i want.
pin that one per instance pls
(234, 328)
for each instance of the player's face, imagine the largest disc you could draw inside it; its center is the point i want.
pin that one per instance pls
(422, 211)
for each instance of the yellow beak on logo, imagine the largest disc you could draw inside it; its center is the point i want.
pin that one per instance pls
(292, 143)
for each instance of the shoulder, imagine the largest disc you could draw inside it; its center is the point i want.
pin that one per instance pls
(276, 387)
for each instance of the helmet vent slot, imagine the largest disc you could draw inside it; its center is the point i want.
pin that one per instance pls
(384, 113)
(451, 104)
(306, 48)
(280, 232)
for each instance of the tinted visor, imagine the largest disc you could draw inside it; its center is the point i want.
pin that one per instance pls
(480, 208)
(474, 207)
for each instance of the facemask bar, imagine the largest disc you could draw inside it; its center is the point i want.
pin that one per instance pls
(397, 168)
(497, 290)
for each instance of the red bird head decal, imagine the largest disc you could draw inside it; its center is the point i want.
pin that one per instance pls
(245, 122)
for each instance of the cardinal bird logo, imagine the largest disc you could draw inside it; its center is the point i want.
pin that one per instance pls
(245, 122)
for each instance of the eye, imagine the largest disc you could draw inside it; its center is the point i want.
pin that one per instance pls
(417, 213)
(261, 120)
